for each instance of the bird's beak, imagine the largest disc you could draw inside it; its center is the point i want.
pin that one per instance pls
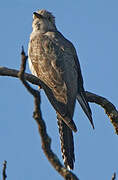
(37, 15)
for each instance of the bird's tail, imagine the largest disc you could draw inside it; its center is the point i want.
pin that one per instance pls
(81, 97)
(67, 143)
(69, 122)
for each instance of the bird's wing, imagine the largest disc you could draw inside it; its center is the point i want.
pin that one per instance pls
(81, 96)
(46, 60)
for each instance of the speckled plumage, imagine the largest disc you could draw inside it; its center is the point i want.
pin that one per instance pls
(53, 59)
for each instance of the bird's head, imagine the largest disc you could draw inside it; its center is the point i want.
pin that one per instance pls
(43, 21)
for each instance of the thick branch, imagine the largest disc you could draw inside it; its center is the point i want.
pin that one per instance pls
(4, 71)
(109, 108)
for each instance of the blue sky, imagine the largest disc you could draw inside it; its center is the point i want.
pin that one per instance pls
(92, 26)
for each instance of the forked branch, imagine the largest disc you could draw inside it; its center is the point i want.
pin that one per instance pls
(109, 108)
(45, 139)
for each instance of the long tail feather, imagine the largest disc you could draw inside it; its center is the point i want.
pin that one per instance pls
(68, 121)
(81, 97)
(67, 143)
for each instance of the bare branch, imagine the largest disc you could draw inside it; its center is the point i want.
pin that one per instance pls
(4, 170)
(114, 176)
(45, 139)
(4, 71)
(109, 108)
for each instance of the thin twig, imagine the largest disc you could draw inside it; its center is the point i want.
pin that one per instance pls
(109, 108)
(114, 176)
(45, 139)
(4, 170)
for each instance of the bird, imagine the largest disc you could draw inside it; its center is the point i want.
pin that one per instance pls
(53, 59)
